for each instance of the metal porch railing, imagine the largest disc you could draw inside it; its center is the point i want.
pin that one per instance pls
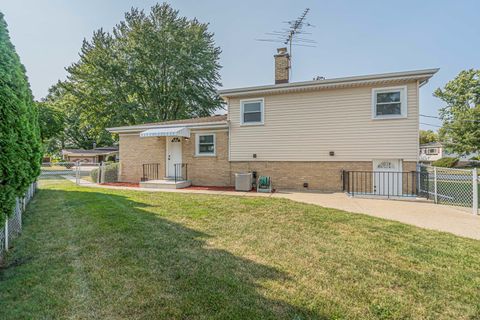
(181, 171)
(151, 171)
(386, 184)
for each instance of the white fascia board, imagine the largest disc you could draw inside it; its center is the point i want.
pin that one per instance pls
(207, 125)
(317, 84)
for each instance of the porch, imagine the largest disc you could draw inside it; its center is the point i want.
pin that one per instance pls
(165, 184)
(173, 173)
(152, 176)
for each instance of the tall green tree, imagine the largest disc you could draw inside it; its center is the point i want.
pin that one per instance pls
(64, 123)
(461, 115)
(154, 66)
(51, 122)
(20, 148)
(427, 136)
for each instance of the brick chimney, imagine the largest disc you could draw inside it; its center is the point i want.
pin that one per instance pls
(282, 66)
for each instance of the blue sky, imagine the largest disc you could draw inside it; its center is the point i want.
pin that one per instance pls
(354, 37)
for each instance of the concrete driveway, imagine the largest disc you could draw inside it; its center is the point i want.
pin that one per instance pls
(456, 220)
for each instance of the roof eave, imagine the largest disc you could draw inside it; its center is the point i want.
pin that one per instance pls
(133, 129)
(337, 82)
(74, 154)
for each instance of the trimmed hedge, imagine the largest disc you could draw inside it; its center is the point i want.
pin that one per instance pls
(20, 146)
(111, 173)
(446, 162)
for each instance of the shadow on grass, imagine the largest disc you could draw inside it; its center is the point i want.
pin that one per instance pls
(131, 263)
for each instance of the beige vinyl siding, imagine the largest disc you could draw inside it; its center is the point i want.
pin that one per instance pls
(306, 126)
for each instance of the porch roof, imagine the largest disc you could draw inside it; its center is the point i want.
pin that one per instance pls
(166, 132)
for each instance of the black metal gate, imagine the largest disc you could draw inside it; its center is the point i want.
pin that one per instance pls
(383, 183)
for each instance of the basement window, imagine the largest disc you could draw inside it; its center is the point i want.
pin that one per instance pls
(251, 111)
(388, 103)
(205, 144)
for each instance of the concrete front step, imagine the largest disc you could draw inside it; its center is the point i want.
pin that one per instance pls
(165, 184)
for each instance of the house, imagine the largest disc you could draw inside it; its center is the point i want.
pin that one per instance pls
(432, 151)
(301, 134)
(95, 155)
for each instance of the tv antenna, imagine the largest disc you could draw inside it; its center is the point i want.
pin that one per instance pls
(294, 35)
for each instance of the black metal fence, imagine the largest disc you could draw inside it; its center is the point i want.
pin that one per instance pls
(181, 171)
(151, 171)
(386, 184)
(424, 182)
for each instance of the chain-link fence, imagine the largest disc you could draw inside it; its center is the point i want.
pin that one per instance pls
(85, 173)
(82, 172)
(13, 225)
(105, 172)
(458, 187)
(56, 169)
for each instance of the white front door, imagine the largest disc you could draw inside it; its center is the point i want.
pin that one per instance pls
(387, 177)
(174, 155)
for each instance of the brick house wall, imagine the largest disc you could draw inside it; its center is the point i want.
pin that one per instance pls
(218, 171)
(136, 151)
(320, 175)
(208, 170)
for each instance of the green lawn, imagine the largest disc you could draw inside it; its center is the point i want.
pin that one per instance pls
(89, 253)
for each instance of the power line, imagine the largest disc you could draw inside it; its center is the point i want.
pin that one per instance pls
(464, 120)
(424, 115)
(429, 124)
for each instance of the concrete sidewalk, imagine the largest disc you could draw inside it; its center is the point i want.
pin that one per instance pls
(456, 220)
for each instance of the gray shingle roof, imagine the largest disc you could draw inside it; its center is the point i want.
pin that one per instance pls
(431, 144)
(222, 117)
(93, 152)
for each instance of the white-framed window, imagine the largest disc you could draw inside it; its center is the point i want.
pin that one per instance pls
(432, 151)
(252, 111)
(389, 103)
(205, 144)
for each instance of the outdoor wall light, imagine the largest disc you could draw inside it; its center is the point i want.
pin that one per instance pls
(332, 153)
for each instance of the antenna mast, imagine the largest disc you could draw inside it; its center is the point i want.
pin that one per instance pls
(295, 29)
(291, 36)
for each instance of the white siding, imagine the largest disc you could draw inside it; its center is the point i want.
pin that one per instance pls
(306, 126)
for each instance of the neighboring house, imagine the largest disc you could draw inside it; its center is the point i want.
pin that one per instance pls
(300, 134)
(430, 152)
(90, 156)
